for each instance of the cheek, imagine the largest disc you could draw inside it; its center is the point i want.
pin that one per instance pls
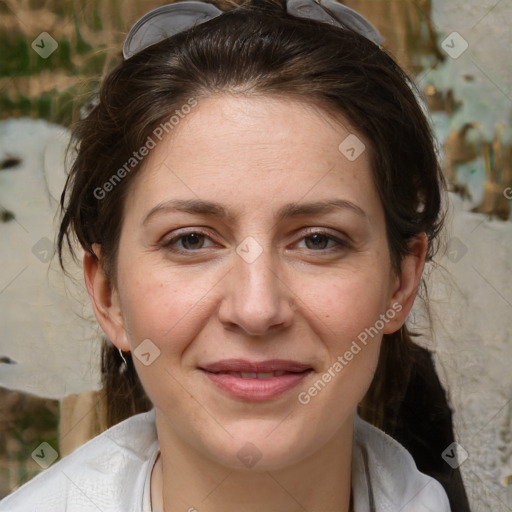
(164, 308)
(344, 312)
(167, 306)
(343, 304)
(157, 311)
(345, 315)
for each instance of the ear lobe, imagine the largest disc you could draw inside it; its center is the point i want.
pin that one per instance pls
(407, 282)
(104, 299)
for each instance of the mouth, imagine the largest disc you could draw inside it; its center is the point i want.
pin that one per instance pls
(257, 367)
(256, 381)
(253, 375)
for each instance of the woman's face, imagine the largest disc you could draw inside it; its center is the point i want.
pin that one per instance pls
(251, 234)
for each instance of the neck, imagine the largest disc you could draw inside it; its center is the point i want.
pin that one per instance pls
(185, 480)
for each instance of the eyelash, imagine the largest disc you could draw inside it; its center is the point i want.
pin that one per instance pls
(342, 244)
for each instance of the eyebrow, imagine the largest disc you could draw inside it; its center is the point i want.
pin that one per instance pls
(210, 208)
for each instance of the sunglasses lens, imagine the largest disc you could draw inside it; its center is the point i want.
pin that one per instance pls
(308, 9)
(168, 20)
(164, 22)
(353, 20)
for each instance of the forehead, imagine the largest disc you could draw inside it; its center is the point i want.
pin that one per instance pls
(255, 152)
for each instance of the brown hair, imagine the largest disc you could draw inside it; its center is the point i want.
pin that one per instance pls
(258, 49)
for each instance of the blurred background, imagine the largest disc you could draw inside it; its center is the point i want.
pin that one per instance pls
(53, 54)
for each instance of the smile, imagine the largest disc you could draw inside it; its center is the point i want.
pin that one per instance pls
(254, 375)
(256, 386)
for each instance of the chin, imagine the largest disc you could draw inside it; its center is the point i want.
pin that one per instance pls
(256, 449)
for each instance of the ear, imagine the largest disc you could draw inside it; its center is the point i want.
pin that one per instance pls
(104, 299)
(406, 283)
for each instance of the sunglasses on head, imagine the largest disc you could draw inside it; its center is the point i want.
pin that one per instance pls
(171, 19)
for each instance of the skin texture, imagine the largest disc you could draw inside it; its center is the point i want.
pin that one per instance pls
(296, 300)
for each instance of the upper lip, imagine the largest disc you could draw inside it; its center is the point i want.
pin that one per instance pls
(242, 365)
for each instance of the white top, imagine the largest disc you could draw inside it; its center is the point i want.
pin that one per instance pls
(112, 473)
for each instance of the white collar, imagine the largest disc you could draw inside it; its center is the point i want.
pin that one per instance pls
(111, 471)
(384, 476)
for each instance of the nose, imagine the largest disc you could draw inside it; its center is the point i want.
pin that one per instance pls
(257, 297)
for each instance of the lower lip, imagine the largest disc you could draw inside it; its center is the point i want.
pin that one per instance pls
(256, 389)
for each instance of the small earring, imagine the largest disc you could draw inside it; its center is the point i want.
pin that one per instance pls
(124, 360)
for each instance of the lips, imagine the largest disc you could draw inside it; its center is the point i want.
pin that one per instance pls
(256, 381)
(255, 375)
(253, 367)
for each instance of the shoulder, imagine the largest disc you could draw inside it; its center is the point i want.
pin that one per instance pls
(385, 475)
(107, 473)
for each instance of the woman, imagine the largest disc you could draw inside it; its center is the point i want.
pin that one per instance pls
(257, 193)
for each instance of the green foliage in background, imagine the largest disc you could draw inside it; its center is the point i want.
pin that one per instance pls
(69, 76)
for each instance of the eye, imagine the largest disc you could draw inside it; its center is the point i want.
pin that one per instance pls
(318, 241)
(193, 241)
(189, 242)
